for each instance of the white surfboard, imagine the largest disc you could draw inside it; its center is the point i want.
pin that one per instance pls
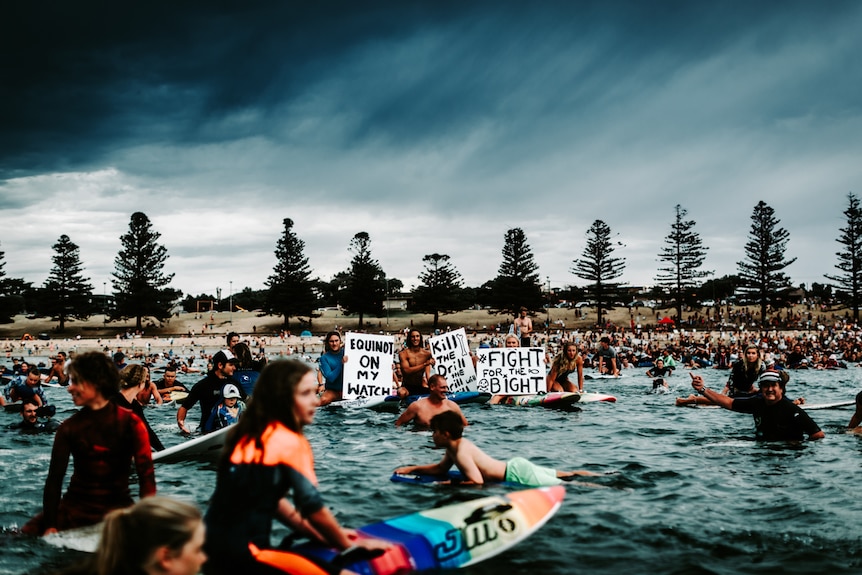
(202, 447)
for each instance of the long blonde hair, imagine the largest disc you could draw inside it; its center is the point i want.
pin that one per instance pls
(562, 363)
(130, 536)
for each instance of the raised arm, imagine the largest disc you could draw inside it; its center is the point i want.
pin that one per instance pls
(715, 397)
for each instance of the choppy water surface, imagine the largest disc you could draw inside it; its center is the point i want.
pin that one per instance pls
(692, 493)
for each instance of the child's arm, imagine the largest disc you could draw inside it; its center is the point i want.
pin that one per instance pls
(439, 468)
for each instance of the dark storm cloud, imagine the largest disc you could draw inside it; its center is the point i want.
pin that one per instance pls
(83, 79)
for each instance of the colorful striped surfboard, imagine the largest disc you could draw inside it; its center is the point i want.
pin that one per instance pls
(455, 535)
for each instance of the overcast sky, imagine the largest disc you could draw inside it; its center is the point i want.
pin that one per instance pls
(433, 126)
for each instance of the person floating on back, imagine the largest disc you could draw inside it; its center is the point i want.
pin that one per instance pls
(479, 467)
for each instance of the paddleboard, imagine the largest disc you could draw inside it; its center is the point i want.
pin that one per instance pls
(553, 400)
(202, 447)
(459, 397)
(391, 403)
(603, 376)
(452, 536)
(447, 537)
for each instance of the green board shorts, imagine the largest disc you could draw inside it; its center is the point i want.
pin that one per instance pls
(520, 470)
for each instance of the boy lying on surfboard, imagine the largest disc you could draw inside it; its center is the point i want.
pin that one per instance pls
(476, 465)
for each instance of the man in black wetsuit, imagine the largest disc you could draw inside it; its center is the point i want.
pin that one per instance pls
(30, 412)
(776, 418)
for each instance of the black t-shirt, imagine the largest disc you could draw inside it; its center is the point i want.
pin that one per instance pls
(782, 421)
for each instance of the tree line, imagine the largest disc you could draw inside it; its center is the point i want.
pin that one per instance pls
(141, 289)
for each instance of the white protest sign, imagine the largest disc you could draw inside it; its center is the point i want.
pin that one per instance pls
(511, 370)
(451, 352)
(368, 371)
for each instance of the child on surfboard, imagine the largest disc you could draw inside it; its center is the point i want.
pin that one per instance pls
(479, 467)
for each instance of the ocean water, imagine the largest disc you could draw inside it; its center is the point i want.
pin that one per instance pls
(687, 491)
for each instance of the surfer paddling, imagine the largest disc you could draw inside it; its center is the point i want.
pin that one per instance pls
(479, 467)
(423, 410)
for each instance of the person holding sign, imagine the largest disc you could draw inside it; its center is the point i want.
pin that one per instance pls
(416, 362)
(568, 361)
(332, 367)
(422, 410)
(479, 467)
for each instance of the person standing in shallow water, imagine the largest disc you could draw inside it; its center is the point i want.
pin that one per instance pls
(102, 439)
(776, 418)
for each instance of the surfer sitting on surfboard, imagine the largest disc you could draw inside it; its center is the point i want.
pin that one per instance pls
(476, 465)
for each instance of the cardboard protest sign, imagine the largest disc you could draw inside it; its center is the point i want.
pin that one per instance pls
(451, 352)
(511, 370)
(368, 371)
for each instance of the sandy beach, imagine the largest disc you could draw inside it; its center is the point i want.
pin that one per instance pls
(190, 331)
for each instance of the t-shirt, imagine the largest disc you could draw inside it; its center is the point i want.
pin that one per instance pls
(782, 421)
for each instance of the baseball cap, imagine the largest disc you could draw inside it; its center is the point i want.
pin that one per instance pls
(223, 356)
(230, 390)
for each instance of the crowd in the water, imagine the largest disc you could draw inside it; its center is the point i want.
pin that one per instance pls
(268, 448)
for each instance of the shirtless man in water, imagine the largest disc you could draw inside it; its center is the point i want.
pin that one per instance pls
(422, 410)
(416, 362)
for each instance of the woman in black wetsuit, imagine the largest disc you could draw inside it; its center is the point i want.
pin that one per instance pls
(265, 457)
(568, 361)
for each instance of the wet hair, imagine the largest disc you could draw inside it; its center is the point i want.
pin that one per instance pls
(34, 370)
(562, 362)
(96, 369)
(273, 402)
(230, 336)
(243, 356)
(130, 536)
(326, 346)
(448, 422)
(133, 375)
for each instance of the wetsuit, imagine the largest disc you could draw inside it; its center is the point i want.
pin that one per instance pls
(138, 410)
(47, 426)
(782, 421)
(741, 381)
(284, 462)
(208, 392)
(332, 368)
(246, 378)
(101, 443)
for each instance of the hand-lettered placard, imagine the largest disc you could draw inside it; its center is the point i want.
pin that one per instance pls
(451, 352)
(511, 370)
(368, 371)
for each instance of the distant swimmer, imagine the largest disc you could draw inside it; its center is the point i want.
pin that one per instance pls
(416, 362)
(658, 372)
(479, 467)
(30, 423)
(776, 418)
(423, 410)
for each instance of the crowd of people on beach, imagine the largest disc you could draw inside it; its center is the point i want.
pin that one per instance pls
(268, 403)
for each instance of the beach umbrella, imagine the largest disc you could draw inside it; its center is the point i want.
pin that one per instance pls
(305, 333)
(665, 321)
